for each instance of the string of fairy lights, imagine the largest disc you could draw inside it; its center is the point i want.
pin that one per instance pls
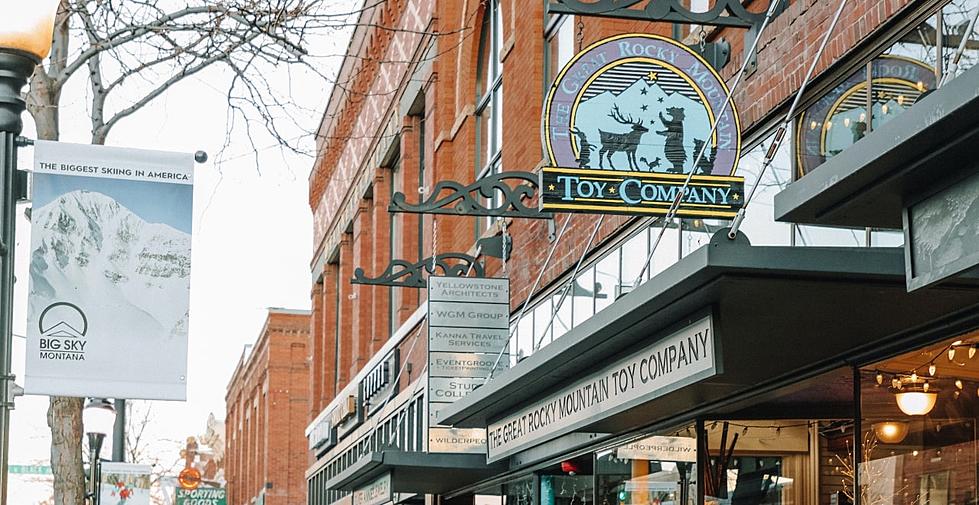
(912, 381)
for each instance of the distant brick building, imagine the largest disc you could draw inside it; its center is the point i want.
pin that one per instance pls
(267, 406)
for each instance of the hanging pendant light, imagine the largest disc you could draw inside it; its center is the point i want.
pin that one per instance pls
(891, 432)
(916, 400)
(932, 369)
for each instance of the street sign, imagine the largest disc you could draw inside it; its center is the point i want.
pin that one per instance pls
(189, 478)
(202, 496)
(29, 469)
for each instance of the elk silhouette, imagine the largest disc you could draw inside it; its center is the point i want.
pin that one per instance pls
(621, 142)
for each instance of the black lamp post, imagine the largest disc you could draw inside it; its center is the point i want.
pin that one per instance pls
(98, 419)
(26, 29)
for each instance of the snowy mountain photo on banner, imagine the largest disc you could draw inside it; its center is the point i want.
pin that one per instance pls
(110, 272)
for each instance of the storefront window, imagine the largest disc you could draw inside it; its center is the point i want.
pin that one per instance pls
(919, 426)
(651, 471)
(568, 483)
(517, 492)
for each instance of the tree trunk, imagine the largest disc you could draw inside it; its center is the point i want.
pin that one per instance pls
(65, 421)
(64, 413)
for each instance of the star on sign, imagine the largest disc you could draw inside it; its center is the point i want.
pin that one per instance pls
(642, 91)
(550, 187)
(735, 197)
(660, 99)
(611, 189)
(651, 76)
(644, 107)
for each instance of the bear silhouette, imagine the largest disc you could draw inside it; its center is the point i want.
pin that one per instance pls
(675, 152)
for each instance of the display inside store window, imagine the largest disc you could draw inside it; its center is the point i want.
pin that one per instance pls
(568, 483)
(919, 426)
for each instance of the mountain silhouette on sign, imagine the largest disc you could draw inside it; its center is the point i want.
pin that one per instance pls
(644, 101)
(63, 329)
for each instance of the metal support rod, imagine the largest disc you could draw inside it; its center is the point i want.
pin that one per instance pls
(675, 205)
(8, 162)
(953, 64)
(780, 133)
(119, 432)
(94, 448)
(526, 303)
(571, 281)
(857, 437)
(15, 68)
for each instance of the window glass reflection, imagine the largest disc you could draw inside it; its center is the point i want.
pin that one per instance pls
(634, 254)
(955, 18)
(583, 295)
(807, 236)
(870, 97)
(562, 316)
(542, 317)
(653, 470)
(607, 276)
(525, 336)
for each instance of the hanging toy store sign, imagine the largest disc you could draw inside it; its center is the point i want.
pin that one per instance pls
(624, 124)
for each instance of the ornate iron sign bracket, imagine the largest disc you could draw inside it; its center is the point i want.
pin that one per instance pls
(463, 201)
(401, 273)
(661, 10)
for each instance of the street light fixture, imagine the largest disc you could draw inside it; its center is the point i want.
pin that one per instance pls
(26, 31)
(98, 418)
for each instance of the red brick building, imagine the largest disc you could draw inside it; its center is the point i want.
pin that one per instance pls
(437, 90)
(267, 402)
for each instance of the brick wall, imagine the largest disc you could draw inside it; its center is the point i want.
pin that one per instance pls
(350, 218)
(267, 409)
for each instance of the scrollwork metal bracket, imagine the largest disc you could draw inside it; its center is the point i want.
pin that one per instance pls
(723, 13)
(401, 273)
(462, 200)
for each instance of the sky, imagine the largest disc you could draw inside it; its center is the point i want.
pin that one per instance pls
(251, 248)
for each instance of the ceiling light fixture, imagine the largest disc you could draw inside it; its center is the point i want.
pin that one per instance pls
(891, 432)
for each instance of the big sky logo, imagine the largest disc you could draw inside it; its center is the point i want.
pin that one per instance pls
(63, 327)
(623, 124)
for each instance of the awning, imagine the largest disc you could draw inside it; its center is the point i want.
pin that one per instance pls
(779, 312)
(415, 472)
(930, 145)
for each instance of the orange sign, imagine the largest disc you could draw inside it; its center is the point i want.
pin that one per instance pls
(189, 478)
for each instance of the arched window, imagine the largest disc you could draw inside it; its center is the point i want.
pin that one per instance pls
(489, 94)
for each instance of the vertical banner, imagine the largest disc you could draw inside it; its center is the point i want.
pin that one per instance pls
(125, 484)
(468, 327)
(109, 288)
